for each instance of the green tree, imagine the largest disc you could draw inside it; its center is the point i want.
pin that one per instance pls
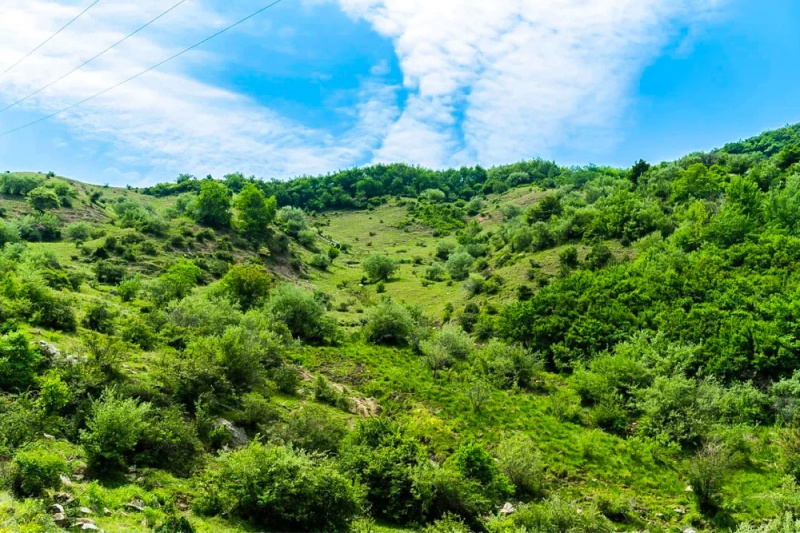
(43, 198)
(379, 267)
(18, 363)
(303, 314)
(255, 212)
(459, 265)
(247, 285)
(114, 428)
(213, 207)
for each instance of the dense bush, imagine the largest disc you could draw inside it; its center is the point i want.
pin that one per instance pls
(379, 267)
(19, 364)
(280, 488)
(34, 470)
(389, 323)
(303, 314)
(247, 285)
(114, 428)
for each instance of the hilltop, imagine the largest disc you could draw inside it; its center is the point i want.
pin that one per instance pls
(521, 348)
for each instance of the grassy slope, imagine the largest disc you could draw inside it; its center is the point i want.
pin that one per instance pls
(582, 462)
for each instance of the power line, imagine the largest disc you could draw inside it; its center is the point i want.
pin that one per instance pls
(140, 28)
(64, 27)
(123, 82)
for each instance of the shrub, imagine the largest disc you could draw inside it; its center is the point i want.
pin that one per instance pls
(175, 524)
(320, 262)
(449, 523)
(176, 282)
(521, 463)
(454, 341)
(312, 429)
(110, 272)
(247, 285)
(9, 233)
(79, 232)
(509, 365)
(708, 472)
(303, 314)
(556, 515)
(568, 258)
(436, 272)
(286, 378)
(475, 463)
(444, 249)
(459, 265)
(40, 227)
(280, 488)
(35, 470)
(389, 323)
(114, 428)
(54, 394)
(129, 289)
(18, 363)
(379, 267)
(167, 442)
(43, 198)
(99, 317)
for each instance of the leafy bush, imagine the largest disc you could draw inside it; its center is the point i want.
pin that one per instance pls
(303, 314)
(78, 232)
(129, 289)
(557, 515)
(18, 362)
(320, 261)
(389, 323)
(114, 428)
(175, 524)
(312, 429)
(168, 442)
(280, 488)
(247, 285)
(379, 267)
(477, 464)
(286, 378)
(459, 265)
(521, 463)
(708, 471)
(509, 365)
(436, 272)
(34, 470)
(99, 317)
(453, 340)
(40, 227)
(43, 198)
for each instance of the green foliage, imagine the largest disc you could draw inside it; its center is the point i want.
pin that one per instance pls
(39, 227)
(43, 198)
(459, 265)
(255, 212)
(558, 515)
(521, 463)
(303, 314)
(18, 362)
(286, 378)
(280, 488)
(176, 282)
(389, 323)
(475, 463)
(379, 267)
(128, 289)
(313, 429)
(18, 185)
(78, 232)
(175, 524)
(708, 472)
(247, 285)
(34, 470)
(213, 207)
(549, 206)
(436, 272)
(114, 428)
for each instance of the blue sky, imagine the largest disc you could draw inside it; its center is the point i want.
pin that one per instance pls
(312, 86)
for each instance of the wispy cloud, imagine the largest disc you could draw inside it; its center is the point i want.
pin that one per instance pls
(167, 119)
(486, 82)
(502, 80)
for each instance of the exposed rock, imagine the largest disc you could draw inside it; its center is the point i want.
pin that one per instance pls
(57, 508)
(67, 482)
(60, 519)
(680, 510)
(48, 350)
(688, 489)
(86, 511)
(48, 436)
(690, 530)
(238, 435)
(136, 506)
(63, 497)
(106, 511)
(507, 509)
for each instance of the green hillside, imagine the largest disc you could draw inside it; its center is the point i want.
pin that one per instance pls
(527, 348)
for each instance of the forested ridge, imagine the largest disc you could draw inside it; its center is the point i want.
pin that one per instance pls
(527, 347)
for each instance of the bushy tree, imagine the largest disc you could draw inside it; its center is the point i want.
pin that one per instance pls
(213, 206)
(303, 314)
(459, 265)
(34, 470)
(18, 362)
(43, 198)
(389, 323)
(247, 285)
(114, 428)
(255, 212)
(379, 267)
(280, 488)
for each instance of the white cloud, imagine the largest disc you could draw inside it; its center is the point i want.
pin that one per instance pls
(487, 82)
(166, 119)
(528, 75)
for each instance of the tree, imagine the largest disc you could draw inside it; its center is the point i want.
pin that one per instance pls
(213, 207)
(113, 430)
(636, 171)
(389, 323)
(549, 206)
(247, 285)
(379, 267)
(256, 212)
(303, 314)
(459, 265)
(18, 363)
(43, 198)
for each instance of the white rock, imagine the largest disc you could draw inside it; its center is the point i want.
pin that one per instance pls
(507, 509)
(86, 510)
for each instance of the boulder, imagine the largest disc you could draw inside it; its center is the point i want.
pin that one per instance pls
(60, 519)
(48, 350)
(507, 509)
(238, 435)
